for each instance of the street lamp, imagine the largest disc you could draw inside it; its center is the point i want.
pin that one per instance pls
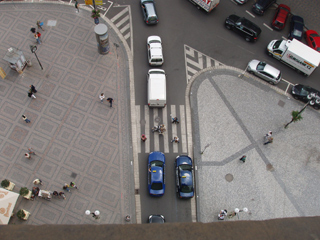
(95, 214)
(33, 49)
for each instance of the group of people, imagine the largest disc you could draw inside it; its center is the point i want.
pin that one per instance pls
(161, 129)
(36, 33)
(102, 97)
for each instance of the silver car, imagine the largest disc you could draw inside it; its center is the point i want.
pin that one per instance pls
(264, 71)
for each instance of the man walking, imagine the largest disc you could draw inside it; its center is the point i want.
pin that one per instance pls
(73, 185)
(243, 158)
(175, 139)
(33, 89)
(269, 140)
(25, 119)
(76, 5)
(101, 97)
(110, 100)
(37, 181)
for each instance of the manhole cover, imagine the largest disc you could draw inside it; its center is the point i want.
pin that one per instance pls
(157, 119)
(73, 175)
(143, 122)
(229, 177)
(270, 167)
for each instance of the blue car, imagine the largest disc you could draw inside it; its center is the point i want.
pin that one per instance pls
(156, 174)
(184, 176)
(296, 28)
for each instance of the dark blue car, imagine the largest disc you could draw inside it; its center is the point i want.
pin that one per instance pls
(184, 176)
(156, 174)
(296, 28)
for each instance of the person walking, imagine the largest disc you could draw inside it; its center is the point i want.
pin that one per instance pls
(66, 187)
(33, 30)
(27, 155)
(73, 185)
(37, 182)
(110, 100)
(31, 95)
(37, 38)
(175, 139)
(25, 119)
(269, 140)
(33, 89)
(31, 151)
(102, 97)
(40, 24)
(76, 5)
(243, 158)
(39, 35)
(175, 120)
(222, 214)
(56, 194)
(61, 194)
(143, 138)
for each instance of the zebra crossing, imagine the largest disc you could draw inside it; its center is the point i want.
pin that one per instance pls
(122, 21)
(196, 61)
(150, 117)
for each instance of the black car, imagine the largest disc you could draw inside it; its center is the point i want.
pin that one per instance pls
(149, 12)
(262, 5)
(304, 93)
(296, 28)
(156, 219)
(243, 26)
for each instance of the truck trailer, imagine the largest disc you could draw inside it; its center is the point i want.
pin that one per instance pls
(207, 5)
(295, 54)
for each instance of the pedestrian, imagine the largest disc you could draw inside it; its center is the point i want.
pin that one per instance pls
(37, 181)
(31, 151)
(175, 139)
(143, 138)
(269, 134)
(32, 29)
(40, 24)
(37, 38)
(102, 97)
(76, 5)
(243, 158)
(66, 187)
(62, 195)
(39, 35)
(31, 95)
(33, 89)
(27, 155)
(110, 100)
(222, 214)
(25, 119)
(175, 120)
(73, 185)
(55, 193)
(269, 140)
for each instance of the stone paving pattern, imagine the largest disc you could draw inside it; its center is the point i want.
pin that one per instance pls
(75, 137)
(232, 115)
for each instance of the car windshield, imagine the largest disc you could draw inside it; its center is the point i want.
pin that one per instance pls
(156, 60)
(156, 186)
(314, 35)
(156, 163)
(185, 167)
(261, 66)
(280, 24)
(304, 91)
(258, 6)
(154, 41)
(277, 44)
(297, 33)
(186, 189)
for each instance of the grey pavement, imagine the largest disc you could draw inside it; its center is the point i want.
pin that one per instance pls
(230, 116)
(75, 137)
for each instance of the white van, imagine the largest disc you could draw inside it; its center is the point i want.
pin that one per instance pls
(155, 56)
(157, 94)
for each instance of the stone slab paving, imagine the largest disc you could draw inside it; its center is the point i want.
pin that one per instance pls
(230, 116)
(75, 137)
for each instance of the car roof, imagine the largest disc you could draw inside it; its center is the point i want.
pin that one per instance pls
(264, 3)
(186, 178)
(296, 18)
(271, 70)
(282, 15)
(156, 174)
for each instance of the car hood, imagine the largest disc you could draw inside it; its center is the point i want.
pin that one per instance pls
(253, 64)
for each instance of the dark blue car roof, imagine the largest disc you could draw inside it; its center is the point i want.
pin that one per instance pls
(186, 178)
(156, 174)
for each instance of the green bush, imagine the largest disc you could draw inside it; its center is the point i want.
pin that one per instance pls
(21, 214)
(5, 183)
(24, 191)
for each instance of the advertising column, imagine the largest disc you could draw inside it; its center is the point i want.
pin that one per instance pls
(102, 36)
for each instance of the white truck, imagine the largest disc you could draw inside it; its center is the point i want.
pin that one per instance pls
(207, 5)
(295, 54)
(157, 93)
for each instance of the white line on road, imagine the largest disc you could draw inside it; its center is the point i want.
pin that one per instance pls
(270, 28)
(250, 14)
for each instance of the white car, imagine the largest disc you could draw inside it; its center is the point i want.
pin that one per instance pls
(264, 71)
(155, 56)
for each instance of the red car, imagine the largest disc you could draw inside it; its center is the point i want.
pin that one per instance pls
(313, 39)
(280, 18)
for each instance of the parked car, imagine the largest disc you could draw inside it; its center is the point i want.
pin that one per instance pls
(243, 26)
(296, 28)
(264, 71)
(149, 12)
(313, 39)
(184, 176)
(241, 1)
(262, 5)
(301, 92)
(280, 18)
(156, 219)
(155, 56)
(156, 174)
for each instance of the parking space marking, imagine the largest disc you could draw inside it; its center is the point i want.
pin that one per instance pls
(250, 14)
(267, 26)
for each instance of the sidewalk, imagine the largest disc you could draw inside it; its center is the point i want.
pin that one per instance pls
(231, 116)
(75, 137)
